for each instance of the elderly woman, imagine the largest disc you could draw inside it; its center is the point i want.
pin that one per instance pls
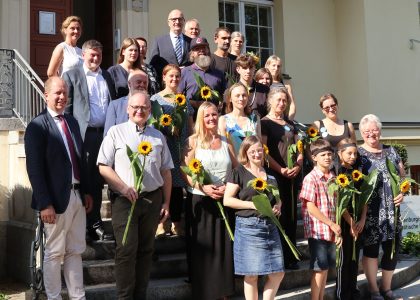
(210, 249)
(257, 247)
(278, 133)
(332, 128)
(380, 229)
(129, 59)
(67, 55)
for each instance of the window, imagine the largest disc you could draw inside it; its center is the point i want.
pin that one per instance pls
(415, 174)
(254, 19)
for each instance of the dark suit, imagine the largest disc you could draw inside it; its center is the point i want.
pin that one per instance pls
(79, 106)
(48, 163)
(116, 113)
(163, 53)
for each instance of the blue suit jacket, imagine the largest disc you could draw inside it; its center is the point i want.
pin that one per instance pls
(116, 113)
(163, 53)
(78, 103)
(48, 164)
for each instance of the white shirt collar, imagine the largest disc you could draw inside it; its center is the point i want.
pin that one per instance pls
(89, 72)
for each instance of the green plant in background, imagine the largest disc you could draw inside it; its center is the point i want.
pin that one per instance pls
(402, 152)
(410, 244)
(3, 296)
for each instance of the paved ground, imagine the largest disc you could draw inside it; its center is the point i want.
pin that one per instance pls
(410, 291)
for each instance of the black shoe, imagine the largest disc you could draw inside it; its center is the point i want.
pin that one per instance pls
(292, 266)
(97, 233)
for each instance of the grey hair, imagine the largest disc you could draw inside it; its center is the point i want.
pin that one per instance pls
(370, 118)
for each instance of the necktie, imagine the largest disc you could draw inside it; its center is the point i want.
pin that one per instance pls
(178, 49)
(73, 157)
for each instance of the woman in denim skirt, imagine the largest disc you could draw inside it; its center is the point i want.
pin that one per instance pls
(257, 247)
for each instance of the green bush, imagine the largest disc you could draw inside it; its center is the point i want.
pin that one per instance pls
(402, 152)
(3, 296)
(410, 244)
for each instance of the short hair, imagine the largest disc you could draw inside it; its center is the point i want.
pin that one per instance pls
(49, 82)
(326, 97)
(92, 44)
(261, 72)
(128, 42)
(236, 34)
(130, 96)
(229, 106)
(319, 145)
(245, 61)
(68, 20)
(369, 118)
(273, 92)
(192, 20)
(136, 72)
(268, 62)
(216, 32)
(141, 39)
(246, 144)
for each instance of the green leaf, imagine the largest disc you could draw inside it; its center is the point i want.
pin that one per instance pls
(200, 82)
(157, 110)
(366, 190)
(291, 155)
(394, 177)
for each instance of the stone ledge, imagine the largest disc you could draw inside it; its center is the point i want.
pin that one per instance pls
(12, 124)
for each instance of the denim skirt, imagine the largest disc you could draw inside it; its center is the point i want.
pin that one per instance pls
(257, 247)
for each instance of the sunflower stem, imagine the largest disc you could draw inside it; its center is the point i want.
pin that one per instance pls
(222, 212)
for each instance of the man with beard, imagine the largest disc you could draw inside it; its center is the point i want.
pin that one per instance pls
(221, 59)
(214, 79)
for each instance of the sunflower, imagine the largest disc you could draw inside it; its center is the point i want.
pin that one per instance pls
(180, 99)
(205, 92)
(266, 151)
(312, 132)
(144, 148)
(356, 175)
(405, 186)
(195, 166)
(299, 146)
(165, 120)
(342, 180)
(259, 184)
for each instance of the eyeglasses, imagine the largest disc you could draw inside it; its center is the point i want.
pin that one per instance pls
(253, 152)
(370, 132)
(331, 107)
(176, 19)
(139, 108)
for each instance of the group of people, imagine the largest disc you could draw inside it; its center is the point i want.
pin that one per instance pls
(80, 141)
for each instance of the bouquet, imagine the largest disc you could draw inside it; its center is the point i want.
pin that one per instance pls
(263, 205)
(143, 150)
(293, 151)
(204, 92)
(198, 174)
(398, 185)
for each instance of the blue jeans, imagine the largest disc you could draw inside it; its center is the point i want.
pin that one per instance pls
(322, 254)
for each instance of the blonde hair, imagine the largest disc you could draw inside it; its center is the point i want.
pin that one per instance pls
(200, 132)
(246, 144)
(229, 106)
(268, 62)
(67, 21)
(125, 44)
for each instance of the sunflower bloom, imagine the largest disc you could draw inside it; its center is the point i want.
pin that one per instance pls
(299, 146)
(356, 175)
(195, 166)
(405, 186)
(266, 151)
(259, 184)
(165, 120)
(312, 132)
(144, 148)
(342, 180)
(205, 93)
(180, 99)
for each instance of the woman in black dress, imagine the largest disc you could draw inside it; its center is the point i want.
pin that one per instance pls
(278, 133)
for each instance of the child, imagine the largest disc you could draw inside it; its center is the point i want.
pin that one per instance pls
(318, 211)
(347, 270)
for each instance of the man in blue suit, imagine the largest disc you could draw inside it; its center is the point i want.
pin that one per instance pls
(90, 91)
(117, 109)
(171, 48)
(53, 147)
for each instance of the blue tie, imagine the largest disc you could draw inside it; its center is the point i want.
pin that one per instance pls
(178, 49)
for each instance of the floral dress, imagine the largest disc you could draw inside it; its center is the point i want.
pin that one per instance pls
(379, 226)
(236, 134)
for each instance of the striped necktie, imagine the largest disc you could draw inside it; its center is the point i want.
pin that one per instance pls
(178, 49)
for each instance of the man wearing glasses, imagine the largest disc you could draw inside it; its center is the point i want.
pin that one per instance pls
(171, 48)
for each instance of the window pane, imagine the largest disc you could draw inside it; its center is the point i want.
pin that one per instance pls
(251, 33)
(232, 27)
(251, 15)
(266, 38)
(232, 12)
(221, 11)
(265, 54)
(265, 16)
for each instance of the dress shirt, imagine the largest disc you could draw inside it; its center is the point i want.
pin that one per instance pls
(98, 97)
(54, 115)
(174, 38)
(113, 152)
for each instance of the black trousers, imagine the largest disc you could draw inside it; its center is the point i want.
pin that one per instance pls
(95, 182)
(176, 205)
(133, 261)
